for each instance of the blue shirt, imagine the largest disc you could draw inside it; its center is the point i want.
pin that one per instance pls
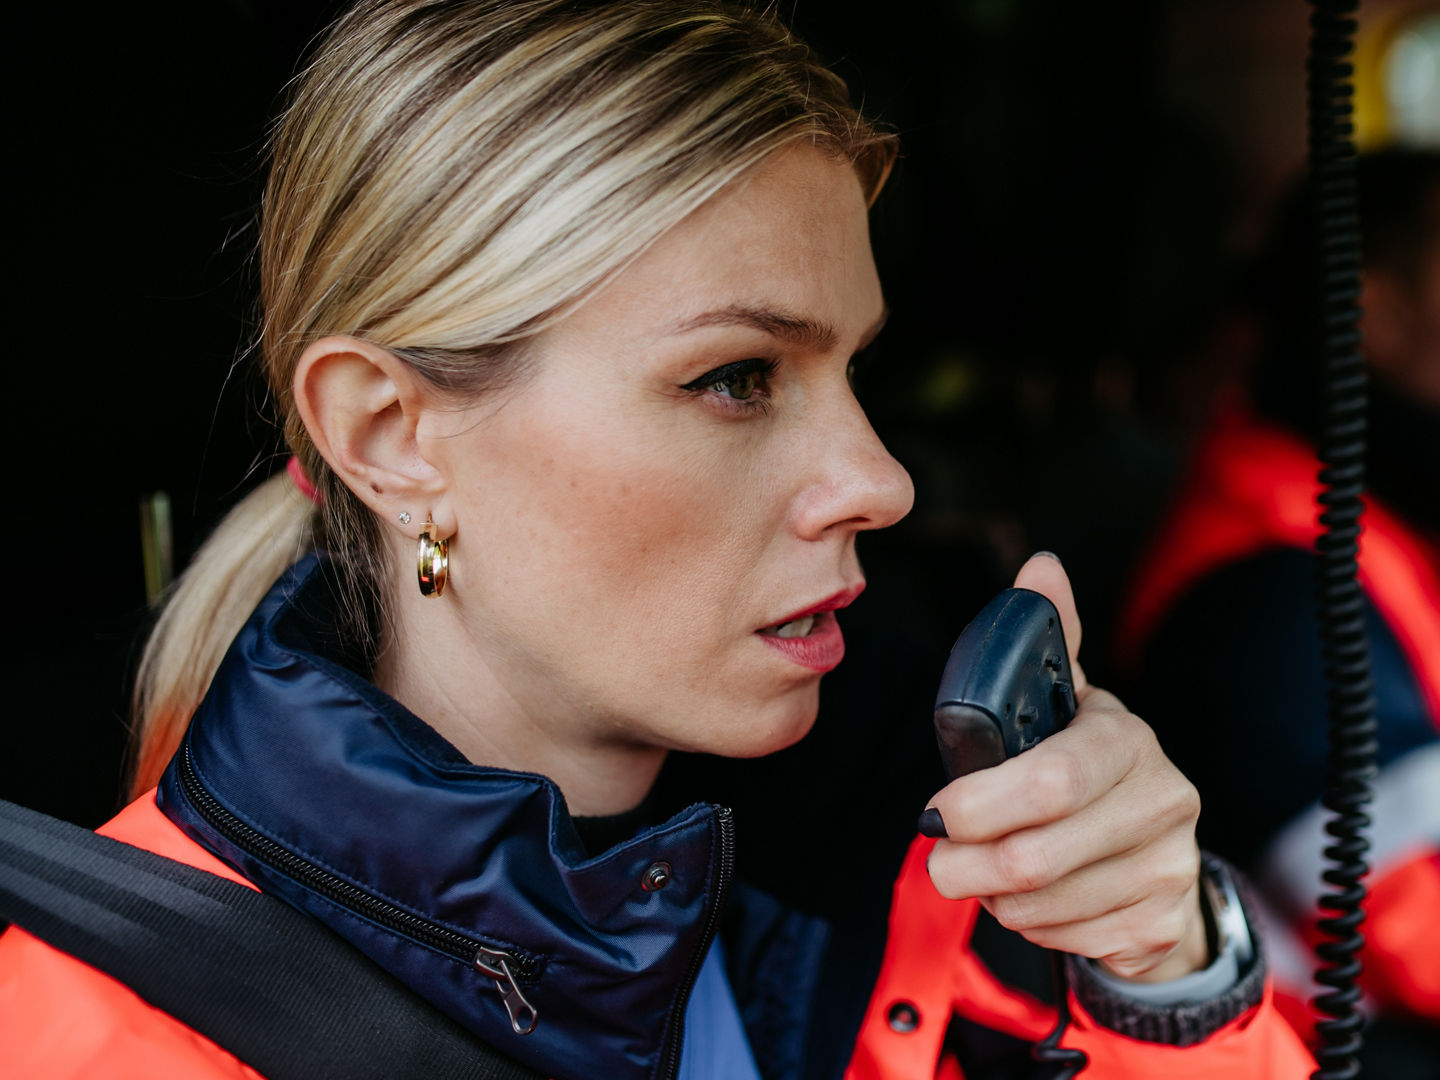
(715, 1044)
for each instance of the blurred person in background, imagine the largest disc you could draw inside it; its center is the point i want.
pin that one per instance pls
(1219, 637)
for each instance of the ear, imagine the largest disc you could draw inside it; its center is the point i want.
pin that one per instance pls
(361, 405)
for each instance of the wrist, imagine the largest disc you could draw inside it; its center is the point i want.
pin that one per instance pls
(1192, 953)
(1187, 1009)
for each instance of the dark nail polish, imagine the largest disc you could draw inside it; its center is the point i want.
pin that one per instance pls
(932, 824)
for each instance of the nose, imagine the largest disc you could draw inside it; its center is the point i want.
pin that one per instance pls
(855, 483)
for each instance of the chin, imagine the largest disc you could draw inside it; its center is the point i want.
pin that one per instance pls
(791, 720)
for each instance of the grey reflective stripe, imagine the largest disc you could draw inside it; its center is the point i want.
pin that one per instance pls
(1292, 963)
(1406, 821)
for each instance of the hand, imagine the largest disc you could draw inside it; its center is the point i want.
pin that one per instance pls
(1085, 843)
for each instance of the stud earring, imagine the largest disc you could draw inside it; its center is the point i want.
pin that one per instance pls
(404, 517)
(432, 561)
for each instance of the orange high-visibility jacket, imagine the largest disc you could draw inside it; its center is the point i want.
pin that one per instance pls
(60, 1019)
(1252, 489)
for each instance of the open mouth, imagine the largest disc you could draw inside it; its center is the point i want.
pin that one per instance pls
(812, 638)
(800, 627)
(813, 641)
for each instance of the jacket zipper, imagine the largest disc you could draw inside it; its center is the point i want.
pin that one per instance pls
(670, 1052)
(506, 969)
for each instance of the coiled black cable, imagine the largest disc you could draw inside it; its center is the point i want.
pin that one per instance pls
(1048, 1050)
(1351, 702)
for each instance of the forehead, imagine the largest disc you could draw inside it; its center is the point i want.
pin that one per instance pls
(792, 234)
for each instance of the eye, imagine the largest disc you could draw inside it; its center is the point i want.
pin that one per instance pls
(745, 382)
(739, 386)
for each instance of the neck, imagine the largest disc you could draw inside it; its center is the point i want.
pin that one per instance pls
(452, 687)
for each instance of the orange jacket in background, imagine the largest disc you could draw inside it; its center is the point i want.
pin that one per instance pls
(1253, 488)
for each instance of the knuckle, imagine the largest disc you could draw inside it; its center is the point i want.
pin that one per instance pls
(1165, 877)
(1060, 782)
(1186, 869)
(1178, 799)
(1176, 883)
(1143, 734)
(1024, 862)
(1153, 936)
(1014, 912)
(1174, 868)
(1110, 717)
(1188, 799)
(1133, 733)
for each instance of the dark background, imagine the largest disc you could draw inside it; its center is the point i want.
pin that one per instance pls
(1078, 184)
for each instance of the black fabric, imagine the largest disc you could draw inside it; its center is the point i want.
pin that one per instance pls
(983, 1051)
(598, 834)
(1405, 444)
(1232, 683)
(276, 989)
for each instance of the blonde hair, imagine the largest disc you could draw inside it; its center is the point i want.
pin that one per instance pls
(449, 179)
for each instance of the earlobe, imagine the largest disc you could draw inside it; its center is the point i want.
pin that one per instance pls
(361, 406)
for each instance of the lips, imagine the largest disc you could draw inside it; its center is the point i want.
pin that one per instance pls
(811, 637)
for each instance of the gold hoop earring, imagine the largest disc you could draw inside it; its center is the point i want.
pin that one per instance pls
(432, 561)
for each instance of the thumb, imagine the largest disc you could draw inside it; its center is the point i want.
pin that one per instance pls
(1043, 573)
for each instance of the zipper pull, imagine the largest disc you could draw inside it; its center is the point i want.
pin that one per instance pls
(496, 964)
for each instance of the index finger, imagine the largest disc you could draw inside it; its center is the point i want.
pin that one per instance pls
(1043, 573)
(1062, 775)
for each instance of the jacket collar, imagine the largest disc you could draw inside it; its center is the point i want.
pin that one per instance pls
(302, 763)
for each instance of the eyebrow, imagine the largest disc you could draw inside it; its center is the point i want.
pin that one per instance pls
(795, 329)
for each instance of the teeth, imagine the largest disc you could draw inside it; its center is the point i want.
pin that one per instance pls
(795, 628)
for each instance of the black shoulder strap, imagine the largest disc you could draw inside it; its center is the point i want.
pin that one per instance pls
(275, 988)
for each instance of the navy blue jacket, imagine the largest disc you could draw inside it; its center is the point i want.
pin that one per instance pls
(302, 774)
(471, 884)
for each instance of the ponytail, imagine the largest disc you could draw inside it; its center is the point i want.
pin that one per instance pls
(270, 529)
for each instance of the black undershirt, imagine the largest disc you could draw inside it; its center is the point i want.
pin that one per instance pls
(601, 833)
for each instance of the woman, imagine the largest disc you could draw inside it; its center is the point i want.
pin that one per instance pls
(563, 296)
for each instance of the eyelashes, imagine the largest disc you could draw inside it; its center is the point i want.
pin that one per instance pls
(743, 385)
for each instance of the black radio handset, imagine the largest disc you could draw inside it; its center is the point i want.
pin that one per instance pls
(1007, 686)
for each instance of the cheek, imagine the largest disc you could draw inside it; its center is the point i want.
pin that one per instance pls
(632, 533)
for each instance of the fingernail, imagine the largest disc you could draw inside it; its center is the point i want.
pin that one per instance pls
(932, 824)
(1051, 555)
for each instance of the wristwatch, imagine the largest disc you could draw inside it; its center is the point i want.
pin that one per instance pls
(1226, 928)
(1188, 1009)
